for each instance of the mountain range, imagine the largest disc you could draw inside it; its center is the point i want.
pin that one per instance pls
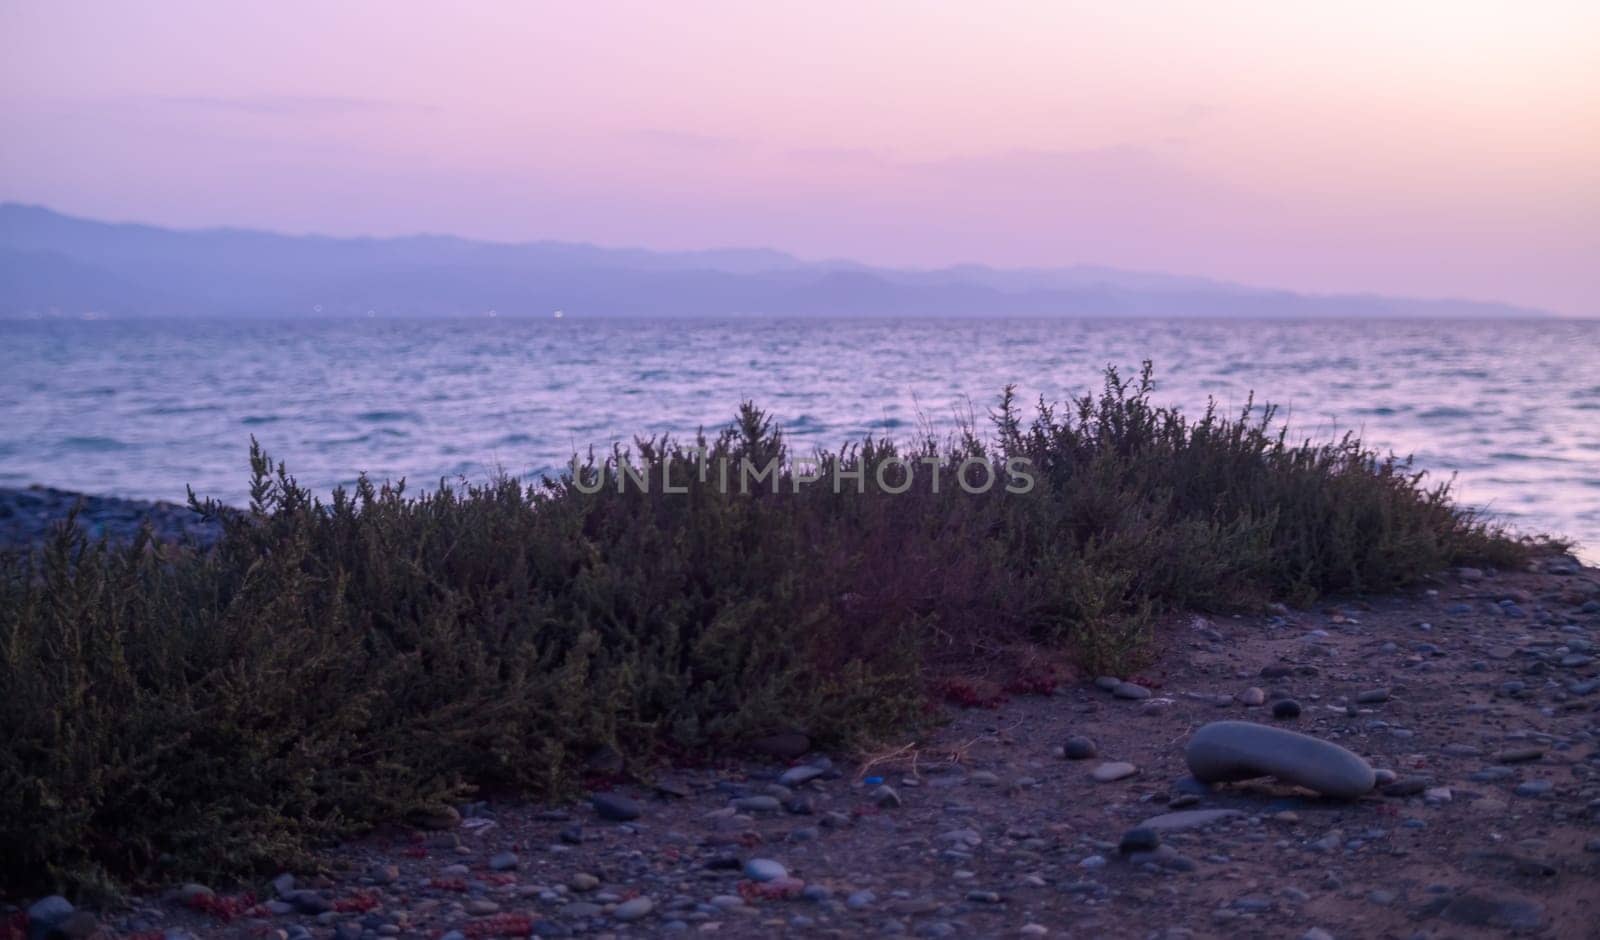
(58, 265)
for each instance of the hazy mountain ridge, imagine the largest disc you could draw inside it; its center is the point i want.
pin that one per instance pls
(52, 264)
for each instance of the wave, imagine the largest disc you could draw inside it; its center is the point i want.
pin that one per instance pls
(1517, 457)
(94, 444)
(379, 417)
(371, 437)
(180, 409)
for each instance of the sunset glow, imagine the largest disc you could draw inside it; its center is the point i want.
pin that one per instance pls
(1416, 148)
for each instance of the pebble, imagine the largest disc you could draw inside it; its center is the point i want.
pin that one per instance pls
(764, 869)
(615, 807)
(1373, 696)
(49, 911)
(1130, 690)
(1112, 771)
(1407, 786)
(1286, 708)
(795, 776)
(1252, 697)
(1534, 788)
(758, 804)
(633, 909)
(1139, 839)
(1189, 819)
(1519, 755)
(1079, 748)
(190, 893)
(503, 861)
(309, 902)
(1479, 911)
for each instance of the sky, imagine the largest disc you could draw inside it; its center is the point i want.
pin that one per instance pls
(1445, 148)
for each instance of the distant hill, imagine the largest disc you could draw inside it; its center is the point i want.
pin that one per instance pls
(52, 264)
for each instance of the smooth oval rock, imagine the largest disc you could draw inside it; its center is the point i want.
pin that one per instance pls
(1079, 748)
(1519, 755)
(764, 869)
(49, 911)
(1139, 839)
(614, 807)
(795, 776)
(1187, 819)
(633, 909)
(1225, 751)
(758, 804)
(1114, 770)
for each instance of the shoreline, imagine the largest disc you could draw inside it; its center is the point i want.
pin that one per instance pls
(29, 515)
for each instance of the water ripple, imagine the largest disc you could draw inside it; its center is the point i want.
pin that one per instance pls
(142, 408)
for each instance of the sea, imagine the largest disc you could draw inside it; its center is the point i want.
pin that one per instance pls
(143, 408)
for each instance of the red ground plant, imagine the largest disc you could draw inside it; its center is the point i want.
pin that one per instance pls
(966, 693)
(358, 903)
(499, 925)
(224, 907)
(784, 889)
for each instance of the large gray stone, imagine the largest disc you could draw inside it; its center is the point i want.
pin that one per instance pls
(1225, 751)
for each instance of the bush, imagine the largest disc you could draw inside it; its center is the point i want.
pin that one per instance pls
(182, 712)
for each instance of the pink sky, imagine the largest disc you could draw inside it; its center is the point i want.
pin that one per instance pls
(1447, 148)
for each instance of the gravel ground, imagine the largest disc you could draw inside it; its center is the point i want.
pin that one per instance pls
(1477, 700)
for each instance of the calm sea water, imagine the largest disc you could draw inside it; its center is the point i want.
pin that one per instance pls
(143, 408)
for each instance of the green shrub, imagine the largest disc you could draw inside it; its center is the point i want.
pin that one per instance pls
(176, 712)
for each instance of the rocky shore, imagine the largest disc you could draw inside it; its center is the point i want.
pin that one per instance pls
(29, 515)
(1457, 729)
